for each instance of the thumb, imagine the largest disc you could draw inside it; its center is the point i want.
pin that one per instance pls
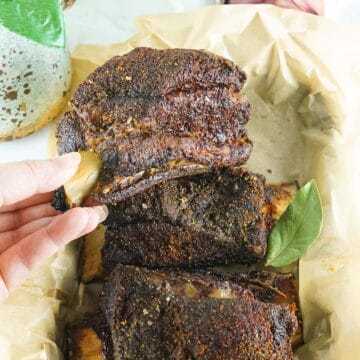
(21, 180)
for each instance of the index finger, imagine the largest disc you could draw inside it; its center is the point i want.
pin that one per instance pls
(33, 200)
(21, 180)
(17, 261)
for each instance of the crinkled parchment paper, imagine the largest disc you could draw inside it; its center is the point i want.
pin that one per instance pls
(303, 83)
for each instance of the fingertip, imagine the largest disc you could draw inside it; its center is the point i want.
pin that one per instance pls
(93, 221)
(87, 219)
(59, 170)
(76, 221)
(102, 212)
(69, 160)
(80, 215)
(96, 215)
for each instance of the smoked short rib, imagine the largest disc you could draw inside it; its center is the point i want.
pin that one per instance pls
(154, 114)
(203, 220)
(148, 314)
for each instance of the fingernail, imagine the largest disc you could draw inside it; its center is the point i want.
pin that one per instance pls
(102, 212)
(70, 159)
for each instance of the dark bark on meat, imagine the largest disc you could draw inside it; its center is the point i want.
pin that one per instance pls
(59, 200)
(69, 134)
(197, 221)
(144, 112)
(172, 315)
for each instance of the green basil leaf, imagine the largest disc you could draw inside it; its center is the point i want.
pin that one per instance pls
(38, 20)
(297, 228)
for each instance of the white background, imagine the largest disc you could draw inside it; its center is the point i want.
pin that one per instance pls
(117, 16)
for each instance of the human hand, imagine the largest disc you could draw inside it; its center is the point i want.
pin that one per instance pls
(31, 230)
(311, 6)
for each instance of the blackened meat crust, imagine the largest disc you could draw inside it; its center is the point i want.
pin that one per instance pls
(196, 221)
(174, 315)
(70, 136)
(148, 110)
(59, 200)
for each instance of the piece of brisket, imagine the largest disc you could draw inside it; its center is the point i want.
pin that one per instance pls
(158, 114)
(202, 220)
(174, 315)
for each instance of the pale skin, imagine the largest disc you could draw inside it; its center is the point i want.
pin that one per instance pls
(31, 230)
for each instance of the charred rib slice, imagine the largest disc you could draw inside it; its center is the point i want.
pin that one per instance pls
(158, 114)
(196, 221)
(173, 315)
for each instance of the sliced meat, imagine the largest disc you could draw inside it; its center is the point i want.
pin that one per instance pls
(148, 314)
(158, 114)
(202, 220)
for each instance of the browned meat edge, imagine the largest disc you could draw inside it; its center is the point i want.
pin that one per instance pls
(197, 221)
(143, 111)
(172, 315)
